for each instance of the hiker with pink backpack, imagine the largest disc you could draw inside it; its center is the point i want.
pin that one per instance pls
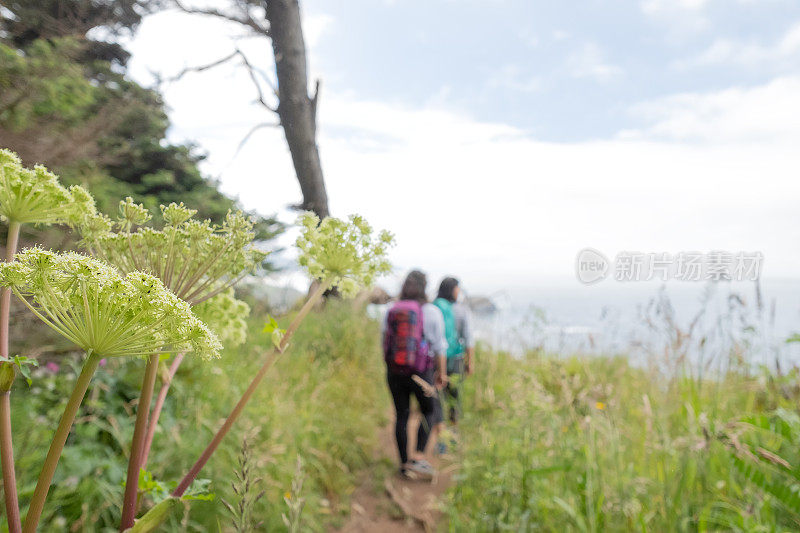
(415, 348)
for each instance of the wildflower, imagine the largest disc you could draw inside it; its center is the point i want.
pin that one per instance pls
(338, 253)
(176, 214)
(101, 311)
(225, 315)
(345, 254)
(132, 214)
(52, 367)
(107, 315)
(35, 196)
(600, 406)
(194, 259)
(95, 225)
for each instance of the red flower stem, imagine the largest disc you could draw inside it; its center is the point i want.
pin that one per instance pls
(6, 442)
(9, 477)
(137, 444)
(271, 357)
(162, 396)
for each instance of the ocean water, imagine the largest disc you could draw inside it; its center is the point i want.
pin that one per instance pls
(697, 322)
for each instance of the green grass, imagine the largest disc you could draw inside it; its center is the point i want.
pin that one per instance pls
(322, 401)
(594, 444)
(547, 443)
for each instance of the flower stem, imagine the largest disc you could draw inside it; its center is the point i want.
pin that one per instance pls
(137, 444)
(6, 445)
(59, 439)
(9, 477)
(5, 296)
(162, 396)
(271, 357)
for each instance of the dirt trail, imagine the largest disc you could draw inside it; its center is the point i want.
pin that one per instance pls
(387, 503)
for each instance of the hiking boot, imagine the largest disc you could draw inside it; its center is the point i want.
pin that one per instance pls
(405, 473)
(423, 469)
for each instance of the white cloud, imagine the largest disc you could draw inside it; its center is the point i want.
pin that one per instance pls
(529, 39)
(767, 113)
(509, 210)
(660, 6)
(589, 62)
(780, 53)
(680, 17)
(488, 201)
(512, 77)
(314, 27)
(516, 209)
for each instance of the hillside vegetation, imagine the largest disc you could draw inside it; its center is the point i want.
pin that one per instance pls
(595, 444)
(321, 403)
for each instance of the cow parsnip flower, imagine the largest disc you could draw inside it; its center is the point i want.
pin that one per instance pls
(103, 312)
(344, 253)
(226, 316)
(35, 196)
(195, 259)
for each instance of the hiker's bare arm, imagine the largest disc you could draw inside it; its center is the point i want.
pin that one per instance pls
(441, 371)
(470, 361)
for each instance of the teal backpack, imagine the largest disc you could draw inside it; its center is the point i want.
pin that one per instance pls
(454, 346)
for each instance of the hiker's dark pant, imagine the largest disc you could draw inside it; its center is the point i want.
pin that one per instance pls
(402, 387)
(452, 392)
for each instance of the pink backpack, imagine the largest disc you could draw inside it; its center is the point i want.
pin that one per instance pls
(404, 349)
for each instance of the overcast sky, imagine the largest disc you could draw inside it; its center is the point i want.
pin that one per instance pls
(496, 138)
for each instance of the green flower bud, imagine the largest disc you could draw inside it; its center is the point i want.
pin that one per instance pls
(176, 214)
(94, 226)
(82, 205)
(36, 196)
(132, 214)
(227, 316)
(237, 222)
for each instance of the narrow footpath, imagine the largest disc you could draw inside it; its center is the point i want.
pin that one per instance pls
(386, 503)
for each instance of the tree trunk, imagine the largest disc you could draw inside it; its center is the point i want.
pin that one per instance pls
(296, 109)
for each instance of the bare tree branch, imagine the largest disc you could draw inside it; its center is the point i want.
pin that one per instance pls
(251, 71)
(252, 131)
(314, 100)
(264, 76)
(202, 68)
(245, 18)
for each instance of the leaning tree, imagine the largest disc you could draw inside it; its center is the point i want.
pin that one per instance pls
(288, 95)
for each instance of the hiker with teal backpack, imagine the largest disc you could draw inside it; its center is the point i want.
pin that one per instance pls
(460, 347)
(414, 349)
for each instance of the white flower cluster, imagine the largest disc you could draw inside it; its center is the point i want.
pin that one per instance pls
(97, 308)
(196, 259)
(344, 253)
